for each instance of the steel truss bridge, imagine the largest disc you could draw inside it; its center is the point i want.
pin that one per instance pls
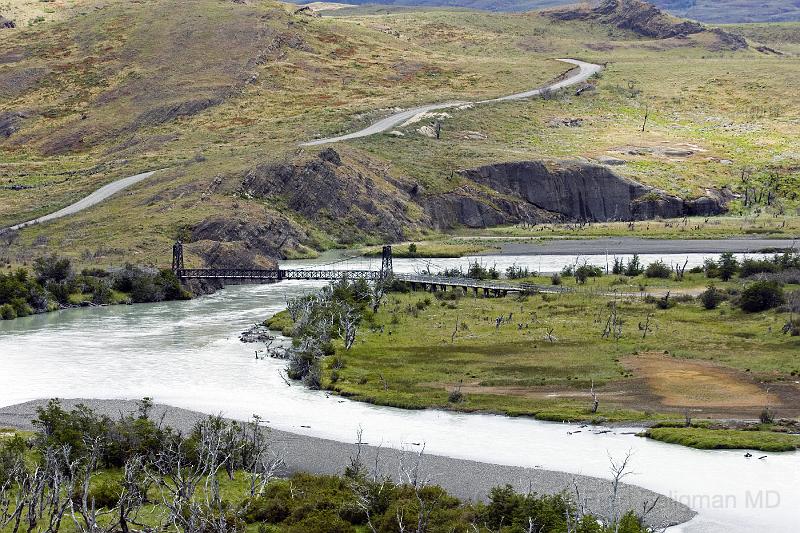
(416, 281)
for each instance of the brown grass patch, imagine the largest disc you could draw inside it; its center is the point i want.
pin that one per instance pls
(684, 383)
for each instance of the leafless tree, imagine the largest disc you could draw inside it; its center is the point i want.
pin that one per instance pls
(348, 320)
(620, 469)
(412, 475)
(613, 327)
(595, 400)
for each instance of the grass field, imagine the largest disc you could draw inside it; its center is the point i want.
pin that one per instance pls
(543, 360)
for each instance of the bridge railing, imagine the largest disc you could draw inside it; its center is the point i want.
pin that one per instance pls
(275, 274)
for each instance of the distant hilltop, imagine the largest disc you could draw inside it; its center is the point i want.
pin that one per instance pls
(710, 11)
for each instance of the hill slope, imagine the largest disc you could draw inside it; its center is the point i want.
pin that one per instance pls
(98, 96)
(711, 11)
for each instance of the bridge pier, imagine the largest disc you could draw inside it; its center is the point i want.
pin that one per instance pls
(475, 289)
(485, 293)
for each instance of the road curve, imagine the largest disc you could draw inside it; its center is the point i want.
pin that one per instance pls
(88, 201)
(585, 71)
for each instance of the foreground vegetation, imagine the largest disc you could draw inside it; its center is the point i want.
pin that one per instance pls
(54, 285)
(81, 472)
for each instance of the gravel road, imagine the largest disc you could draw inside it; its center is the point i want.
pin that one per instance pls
(468, 480)
(94, 198)
(584, 72)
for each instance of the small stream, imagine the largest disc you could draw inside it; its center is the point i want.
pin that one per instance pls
(188, 354)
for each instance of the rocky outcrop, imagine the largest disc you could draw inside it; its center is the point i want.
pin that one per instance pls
(244, 241)
(637, 16)
(350, 200)
(579, 191)
(347, 198)
(645, 19)
(10, 122)
(6, 23)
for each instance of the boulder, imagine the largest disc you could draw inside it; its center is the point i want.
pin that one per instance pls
(6, 23)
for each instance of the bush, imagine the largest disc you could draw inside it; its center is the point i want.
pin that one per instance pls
(634, 267)
(761, 296)
(583, 272)
(555, 279)
(659, 270)
(727, 267)
(7, 312)
(518, 272)
(52, 268)
(751, 267)
(106, 493)
(711, 297)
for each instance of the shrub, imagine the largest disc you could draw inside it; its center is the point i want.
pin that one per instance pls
(728, 266)
(7, 312)
(555, 279)
(102, 294)
(52, 268)
(761, 296)
(711, 268)
(60, 290)
(659, 269)
(478, 271)
(583, 272)
(634, 267)
(106, 493)
(665, 302)
(518, 272)
(711, 297)
(751, 267)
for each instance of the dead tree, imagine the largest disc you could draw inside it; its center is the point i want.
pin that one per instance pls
(348, 320)
(412, 475)
(613, 327)
(646, 116)
(595, 401)
(680, 270)
(619, 471)
(645, 328)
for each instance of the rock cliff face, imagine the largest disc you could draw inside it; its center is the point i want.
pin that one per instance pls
(577, 191)
(350, 199)
(347, 198)
(644, 19)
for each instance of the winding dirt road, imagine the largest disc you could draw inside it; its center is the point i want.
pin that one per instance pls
(92, 199)
(583, 73)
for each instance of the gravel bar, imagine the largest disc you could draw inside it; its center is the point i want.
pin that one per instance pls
(631, 245)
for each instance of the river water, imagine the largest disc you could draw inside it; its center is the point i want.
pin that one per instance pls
(188, 354)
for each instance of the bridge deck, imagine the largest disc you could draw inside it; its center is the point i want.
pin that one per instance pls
(275, 275)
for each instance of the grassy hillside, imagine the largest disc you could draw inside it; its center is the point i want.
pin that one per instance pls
(220, 93)
(712, 112)
(712, 11)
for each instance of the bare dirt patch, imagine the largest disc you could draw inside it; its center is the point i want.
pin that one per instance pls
(684, 383)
